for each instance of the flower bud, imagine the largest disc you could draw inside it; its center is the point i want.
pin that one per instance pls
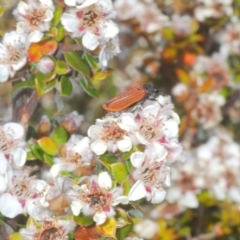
(45, 65)
(44, 127)
(72, 122)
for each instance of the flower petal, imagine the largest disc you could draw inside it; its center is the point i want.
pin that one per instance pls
(35, 36)
(17, 129)
(137, 191)
(90, 41)
(125, 144)
(99, 218)
(104, 180)
(137, 159)
(99, 147)
(10, 206)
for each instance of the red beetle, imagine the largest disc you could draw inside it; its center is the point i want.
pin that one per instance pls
(134, 95)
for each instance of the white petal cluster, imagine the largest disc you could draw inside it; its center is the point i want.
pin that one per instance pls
(96, 197)
(91, 21)
(13, 54)
(34, 18)
(213, 167)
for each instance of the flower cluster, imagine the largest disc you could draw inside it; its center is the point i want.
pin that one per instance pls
(37, 27)
(220, 155)
(91, 20)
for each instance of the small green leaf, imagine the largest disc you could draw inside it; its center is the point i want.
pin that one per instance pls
(60, 33)
(109, 159)
(39, 85)
(83, 220)
(30, 156)
(48, 145)
(75, 61)
(59, 135)
(102, 75)
(49, 86)
(66, 86)
(90, 90)
(57, 15)
(119, 172)
(48, 159)
(30, 83)
(125, 156)
(126, 187)
(123, 232)
(37, 151)
(122, 218)
(92, 61)
(61, 67)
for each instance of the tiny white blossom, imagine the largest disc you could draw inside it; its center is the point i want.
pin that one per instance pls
(34, 18)
(13, 54)
(91, 22)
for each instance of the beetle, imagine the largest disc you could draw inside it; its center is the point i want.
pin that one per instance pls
(134, 95)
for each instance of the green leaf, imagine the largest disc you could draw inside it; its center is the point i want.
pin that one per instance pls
(109, 159)
(123, 232)
(119, 172)
(59, 135)
(37, 151)
(90, 90)
(126, 187)
(122, 217)
(49, 86)
(60, 33)
(83, 220)
(48, 159)
(57, 15)
(66, 86)
(75, 61)
(102, 75)
(129, 165)
(61, 67)
(91, 60)
(48, 145)
(125, 156)
(30, 83)
(39, 85)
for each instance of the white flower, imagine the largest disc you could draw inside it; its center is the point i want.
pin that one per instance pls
(77, 156)
(50, 229)
(109, 135)
(152, 172)
(146, 229)
(12, 144)
(209, 108)
(21, 191)
(34, 18)
(13, 54)
(91, 22)
(109, 49)
(95, 198)
(126, 9)
(150, 18)
(155, 125)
